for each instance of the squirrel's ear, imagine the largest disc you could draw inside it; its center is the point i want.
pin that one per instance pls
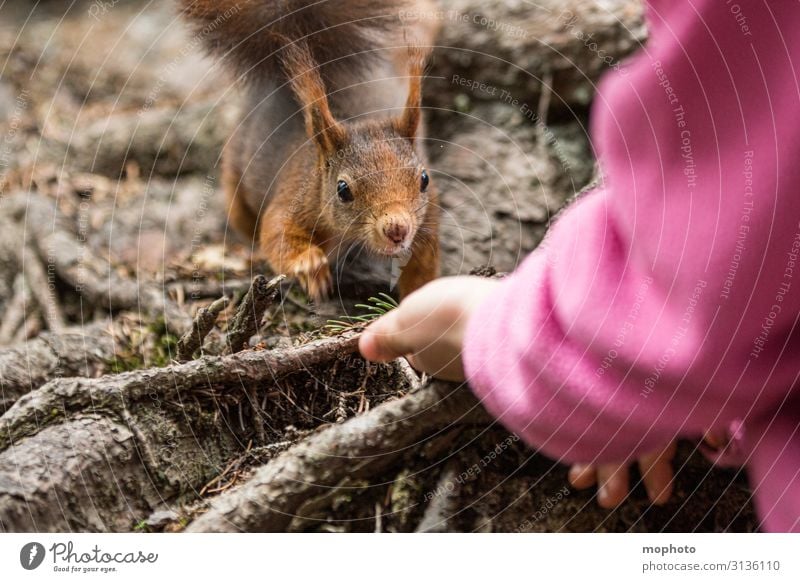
(303, 73)
(408, 124)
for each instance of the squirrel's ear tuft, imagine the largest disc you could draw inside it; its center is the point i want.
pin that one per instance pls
(408, 124)
(304, 77)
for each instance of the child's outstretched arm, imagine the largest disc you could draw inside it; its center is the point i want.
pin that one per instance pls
(667, 302)
(429, 329)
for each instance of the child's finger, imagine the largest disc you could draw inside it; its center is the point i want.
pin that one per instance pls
(716, 438)
(384, 340)
(582, 476)
(657, 475)
(613, 483)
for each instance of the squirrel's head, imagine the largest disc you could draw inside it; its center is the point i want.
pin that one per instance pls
(376, 188)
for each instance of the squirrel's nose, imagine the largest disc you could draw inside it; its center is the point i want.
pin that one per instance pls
(396, 232)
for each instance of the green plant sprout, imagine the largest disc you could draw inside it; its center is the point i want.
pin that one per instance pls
(376, 307)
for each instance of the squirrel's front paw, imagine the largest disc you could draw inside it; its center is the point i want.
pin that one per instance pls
(311, 268)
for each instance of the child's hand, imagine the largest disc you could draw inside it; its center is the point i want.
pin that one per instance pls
(612, 479)
(428, 327)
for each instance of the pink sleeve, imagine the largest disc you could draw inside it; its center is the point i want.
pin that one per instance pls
(666, 302)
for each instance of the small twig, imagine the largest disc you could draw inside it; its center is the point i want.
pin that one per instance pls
(441, 505)
(341, 408)
(31, 326)
(14, 314)
(42, 286)
(227, 486)
(201, 326)
(218, 479)
(542, 112)
(415, 382)
(261, 435)
(233, 466)
(378, 517)
(241, 418)
(546, 96)
(245, 323)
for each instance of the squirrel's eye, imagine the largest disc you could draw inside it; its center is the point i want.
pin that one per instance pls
(424, 182)
(344, 192)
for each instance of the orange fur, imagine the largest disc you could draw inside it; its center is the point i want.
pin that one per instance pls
(285, 194)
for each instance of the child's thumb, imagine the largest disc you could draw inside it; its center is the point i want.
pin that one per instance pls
(384, 340)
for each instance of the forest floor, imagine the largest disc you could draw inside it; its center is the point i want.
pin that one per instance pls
(154, 377)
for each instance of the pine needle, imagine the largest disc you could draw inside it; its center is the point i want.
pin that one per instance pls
(374, 308)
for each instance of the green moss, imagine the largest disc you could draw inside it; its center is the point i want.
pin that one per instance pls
(127, 364)
(165, 349)
(462, 103)
(165, 343)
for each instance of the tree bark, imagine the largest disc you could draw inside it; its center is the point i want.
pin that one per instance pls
(86, 351)
(362, 447)
(106, 452)
(515, 46)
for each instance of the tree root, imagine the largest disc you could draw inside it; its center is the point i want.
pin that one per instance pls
(47, 482)
(62, 397)
(42, 288)
(203, 323)
(362, 447)
(245, 323)
(86, 351)
(61, 250)
(14, 313)
(141, 439)
(164, 141)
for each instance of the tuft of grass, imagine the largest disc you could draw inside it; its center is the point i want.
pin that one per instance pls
(374, 308)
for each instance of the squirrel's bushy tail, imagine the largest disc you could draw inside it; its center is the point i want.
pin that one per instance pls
(250, 33)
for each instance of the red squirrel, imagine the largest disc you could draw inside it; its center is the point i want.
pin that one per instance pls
(328, 150)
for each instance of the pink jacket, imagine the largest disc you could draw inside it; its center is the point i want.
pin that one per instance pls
(667, 302)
